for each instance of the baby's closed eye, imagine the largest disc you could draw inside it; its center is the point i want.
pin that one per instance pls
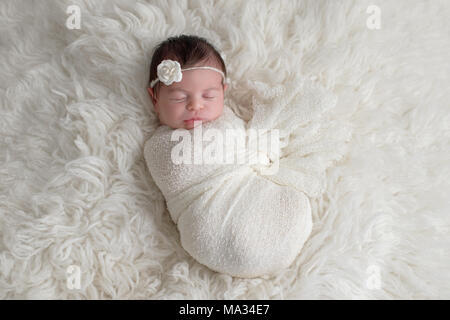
(177, 99)
(180, 99)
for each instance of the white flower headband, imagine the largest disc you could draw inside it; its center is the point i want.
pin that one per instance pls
(169, 71)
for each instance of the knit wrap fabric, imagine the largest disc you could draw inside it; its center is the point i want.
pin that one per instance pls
(233, 218)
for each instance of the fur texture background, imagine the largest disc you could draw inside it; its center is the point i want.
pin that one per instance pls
(75, 191)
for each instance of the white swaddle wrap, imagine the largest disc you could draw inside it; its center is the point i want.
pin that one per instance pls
(233, 218)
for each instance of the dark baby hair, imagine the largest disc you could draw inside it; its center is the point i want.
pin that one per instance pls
(188, 50)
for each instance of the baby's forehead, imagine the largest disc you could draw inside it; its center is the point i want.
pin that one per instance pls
(185, 90)
(195, 80)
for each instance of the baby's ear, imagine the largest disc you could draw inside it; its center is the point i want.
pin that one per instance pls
(225, 86)
(151, 92)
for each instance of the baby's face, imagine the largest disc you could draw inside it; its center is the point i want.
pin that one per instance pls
(198, 95)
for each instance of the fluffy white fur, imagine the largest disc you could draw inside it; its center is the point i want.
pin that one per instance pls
(75, 190)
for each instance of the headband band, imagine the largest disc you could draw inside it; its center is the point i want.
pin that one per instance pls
(169, 71)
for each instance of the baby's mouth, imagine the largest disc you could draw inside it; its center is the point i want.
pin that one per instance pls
(193, 119)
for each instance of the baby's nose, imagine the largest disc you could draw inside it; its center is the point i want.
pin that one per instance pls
(195, 105)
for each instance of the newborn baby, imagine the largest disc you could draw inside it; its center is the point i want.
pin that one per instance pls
(231, 216)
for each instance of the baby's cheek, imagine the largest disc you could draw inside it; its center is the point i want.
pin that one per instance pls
(173, 111)
(220, 106)
(180, 112)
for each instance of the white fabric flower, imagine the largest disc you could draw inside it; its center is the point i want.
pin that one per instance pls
(169, 71)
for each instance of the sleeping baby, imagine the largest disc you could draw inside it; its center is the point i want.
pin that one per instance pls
(248, 214)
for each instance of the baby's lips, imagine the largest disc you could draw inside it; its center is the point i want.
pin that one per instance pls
(193, 119)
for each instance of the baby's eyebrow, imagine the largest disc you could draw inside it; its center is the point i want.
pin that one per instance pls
(179, 89)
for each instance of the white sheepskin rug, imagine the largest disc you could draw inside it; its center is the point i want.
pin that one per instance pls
(81, 218)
